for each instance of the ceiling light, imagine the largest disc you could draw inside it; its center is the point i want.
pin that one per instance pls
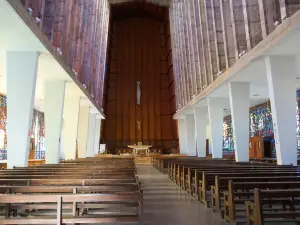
(30, 10)
(59, 51)
(37, 20)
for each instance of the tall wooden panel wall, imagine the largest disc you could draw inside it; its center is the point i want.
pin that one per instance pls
(78, 31)
(140, 50)
(209, 36)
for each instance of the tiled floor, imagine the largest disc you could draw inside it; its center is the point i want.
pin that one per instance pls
(166, 204)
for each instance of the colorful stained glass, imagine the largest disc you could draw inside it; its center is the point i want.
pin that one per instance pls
(261, 123)
(37, 130)
(228, 143)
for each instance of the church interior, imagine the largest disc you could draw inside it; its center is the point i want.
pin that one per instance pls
(150, 112)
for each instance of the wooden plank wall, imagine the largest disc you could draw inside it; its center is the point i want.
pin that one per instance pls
(209, 36)
(78, 30)
(140, 51)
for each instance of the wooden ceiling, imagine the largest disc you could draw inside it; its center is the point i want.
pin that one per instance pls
(141, 8)
(157, 2)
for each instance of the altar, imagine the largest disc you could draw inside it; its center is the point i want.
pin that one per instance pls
(137, 149)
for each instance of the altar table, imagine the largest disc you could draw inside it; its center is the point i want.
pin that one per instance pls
(137, 148)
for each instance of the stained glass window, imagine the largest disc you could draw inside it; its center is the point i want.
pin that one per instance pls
(228, 144)
(261, 124)
(3, 151)
(37, 131)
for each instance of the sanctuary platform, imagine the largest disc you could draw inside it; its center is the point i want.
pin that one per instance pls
(138, 159)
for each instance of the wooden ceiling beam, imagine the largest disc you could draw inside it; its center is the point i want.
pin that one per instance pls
(201, 50)
(195, 38)
(190, 50)
(185, 82)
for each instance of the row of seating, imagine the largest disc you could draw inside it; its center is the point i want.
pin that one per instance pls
(252, 192)
(83, 191)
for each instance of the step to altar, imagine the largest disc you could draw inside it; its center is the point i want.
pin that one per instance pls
(142, 159)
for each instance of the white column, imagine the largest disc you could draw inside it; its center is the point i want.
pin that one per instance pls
(83, 131)
(190, 134)
(97, 134)
(281, 73)
(21, 82)
(239, 97)
(71, 114)
(208, 133)
(182, 136)
(200, 123)
(54, 94)
(215, 114)
(61, 143)
(91, 135)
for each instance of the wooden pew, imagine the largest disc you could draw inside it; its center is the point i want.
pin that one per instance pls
(210, 178)
(239, 192)
(115, 181)
(67, 181)
(70, 189)
(204, 177)
(191, 183)
(160, 162)
(200, 163)
(221, 184)
(62, 217)
(270, 206)
(219, 181)
(190, 178)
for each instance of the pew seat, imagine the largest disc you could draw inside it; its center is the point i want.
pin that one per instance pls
(276, 206)
(83, 191)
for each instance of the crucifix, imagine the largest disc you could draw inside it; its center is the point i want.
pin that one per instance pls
(139, 124)
(138, 92)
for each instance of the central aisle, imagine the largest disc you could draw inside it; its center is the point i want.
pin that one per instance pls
(166, 204)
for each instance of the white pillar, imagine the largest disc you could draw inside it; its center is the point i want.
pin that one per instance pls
(281, 73)
(83, 131)
(97, 134)
(61, 143)
(208, 133)
(71, 113)
(239, 97)
(54, 94)
(190, 134)
(21, 82)
(215, 114)
(200, 123)
(91, 135)
(182, 136)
